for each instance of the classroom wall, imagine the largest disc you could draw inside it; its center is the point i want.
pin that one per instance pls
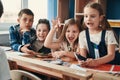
(113, 12)
(4, 40)
(52, 9)
(113, 9)
(71, 8)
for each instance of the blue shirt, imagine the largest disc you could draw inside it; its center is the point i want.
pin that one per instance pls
(17, 40)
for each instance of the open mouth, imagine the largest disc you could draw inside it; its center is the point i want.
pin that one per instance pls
(41, 36)
(71, 39)
(90, 24)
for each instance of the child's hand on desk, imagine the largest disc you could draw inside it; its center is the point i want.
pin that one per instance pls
(26, 50)
(88, 63)
(91, 62)
(31, 52)
(82, 63)
(58, 54)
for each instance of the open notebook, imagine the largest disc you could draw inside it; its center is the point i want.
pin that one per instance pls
(4, 67)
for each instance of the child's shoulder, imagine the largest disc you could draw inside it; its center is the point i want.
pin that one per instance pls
(82, 32)
(109, 32)
(14, 27)
(32, 30)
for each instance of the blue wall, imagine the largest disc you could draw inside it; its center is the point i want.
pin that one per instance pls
(113, 9)
(52, 9)
(71, 8)
(112, 12)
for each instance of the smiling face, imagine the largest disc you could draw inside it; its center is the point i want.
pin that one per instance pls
(42, 31)
(92, 18)
(72, 33)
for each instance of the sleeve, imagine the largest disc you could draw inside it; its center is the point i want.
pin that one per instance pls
(26, 37)
(82, 39)
(111, 37)
(14, 39)
(29, 36)
(4, 66)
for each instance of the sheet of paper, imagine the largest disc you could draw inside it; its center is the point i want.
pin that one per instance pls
(74, 66)
(5, 48)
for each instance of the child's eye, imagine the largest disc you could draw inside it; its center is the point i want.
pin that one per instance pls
(85, 16)
(39, 30)
(67, 31)
(44, 30)
(25, 19)
(31, 20)
(92, 16)
(74, 31)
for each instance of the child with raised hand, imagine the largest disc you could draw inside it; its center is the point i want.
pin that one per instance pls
(67, 43)
(22, 34)
(97, 43)
(42, 30)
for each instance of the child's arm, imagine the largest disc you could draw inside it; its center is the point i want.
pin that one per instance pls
(63, 53)
(28, 36)
(14, 39)
(82, 52)
(102, 60)
(111, 45)
(109, 57)
(26, 50)
(49, 39)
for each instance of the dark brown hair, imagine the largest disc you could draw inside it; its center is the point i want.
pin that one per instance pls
(44, 21)
(25, 11)
(1, 8)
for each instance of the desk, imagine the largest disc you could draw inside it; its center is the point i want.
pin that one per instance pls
(38, 66)
(60, 72)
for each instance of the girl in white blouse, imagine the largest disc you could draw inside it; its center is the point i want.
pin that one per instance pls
(97, 43)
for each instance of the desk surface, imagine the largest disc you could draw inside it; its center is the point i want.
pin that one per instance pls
(36, 65)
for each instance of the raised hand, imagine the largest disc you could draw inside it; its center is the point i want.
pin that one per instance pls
(56, 23)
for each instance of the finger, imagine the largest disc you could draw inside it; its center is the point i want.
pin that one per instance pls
(27, 45)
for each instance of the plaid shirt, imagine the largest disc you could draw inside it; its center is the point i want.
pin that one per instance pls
(17, 40)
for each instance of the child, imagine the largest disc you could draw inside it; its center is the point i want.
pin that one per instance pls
(1, 9)
(22, 34)
(68, 40)
(97, 42)
(4, 66)
(42, 29)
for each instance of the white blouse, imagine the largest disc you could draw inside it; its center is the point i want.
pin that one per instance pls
(96, 38)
